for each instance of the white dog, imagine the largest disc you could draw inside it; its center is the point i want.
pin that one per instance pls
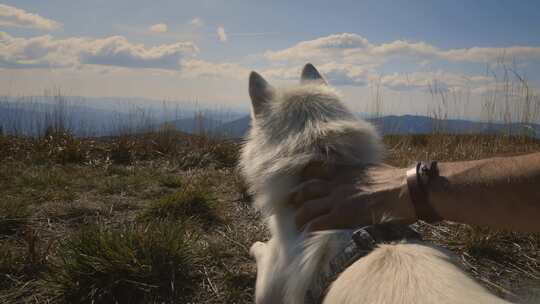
(291, 128)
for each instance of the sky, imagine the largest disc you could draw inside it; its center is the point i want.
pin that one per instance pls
(398, 52)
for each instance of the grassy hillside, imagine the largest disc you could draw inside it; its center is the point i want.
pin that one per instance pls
(164, 217)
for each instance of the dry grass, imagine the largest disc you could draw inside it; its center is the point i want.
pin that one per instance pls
(403, 150)
(172, 223)
(193, 201)
(132, 264)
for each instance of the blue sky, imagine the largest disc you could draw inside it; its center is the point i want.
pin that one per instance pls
(203, 50)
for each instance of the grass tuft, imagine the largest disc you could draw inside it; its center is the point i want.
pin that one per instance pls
(171, 181)
(483, 241)
(14, 213)
(122, 151)
(134, 264)
(11, 262)
(61, 147)
(194, 201)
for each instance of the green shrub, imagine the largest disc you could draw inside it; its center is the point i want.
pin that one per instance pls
(134, 264)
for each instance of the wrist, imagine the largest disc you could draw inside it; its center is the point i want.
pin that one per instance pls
(408, 211)
(418, 182)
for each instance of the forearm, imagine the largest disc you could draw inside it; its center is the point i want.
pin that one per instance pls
(498, 192)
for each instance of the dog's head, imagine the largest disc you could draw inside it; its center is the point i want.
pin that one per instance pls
(294, 126)
(308, 109)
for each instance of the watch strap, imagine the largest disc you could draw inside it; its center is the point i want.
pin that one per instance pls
(418, 179)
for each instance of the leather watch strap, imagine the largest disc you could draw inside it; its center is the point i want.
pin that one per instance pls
(418, 179)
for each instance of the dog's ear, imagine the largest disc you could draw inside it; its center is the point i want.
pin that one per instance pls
(311, 75)
(260, 91)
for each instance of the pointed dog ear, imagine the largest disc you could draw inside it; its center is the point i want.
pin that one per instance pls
(311, 75)
(260, 91)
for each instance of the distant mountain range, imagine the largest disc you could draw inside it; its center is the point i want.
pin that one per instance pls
(411, 124)
(197, 124)
(33, 118)
(87, 119)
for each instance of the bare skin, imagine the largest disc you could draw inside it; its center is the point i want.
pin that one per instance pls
(502, 193)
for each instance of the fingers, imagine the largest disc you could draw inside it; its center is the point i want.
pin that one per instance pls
(345, 213)
(308, 191)
(311, 210)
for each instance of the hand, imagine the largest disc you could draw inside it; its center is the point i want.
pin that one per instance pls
(349, 197)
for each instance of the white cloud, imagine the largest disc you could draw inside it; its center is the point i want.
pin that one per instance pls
(403, 48)
(118, 51)
(440, 79)
(350, 59)
(196, 22)
(335, 73)
(347, 74)
(324, 47)
(46, 51)
(159, 28)
(222, 35)
(14, 17)
(482, 54)
(200, 68)
(353, 48)
(344, 59)
(361, 75)
(36, 52)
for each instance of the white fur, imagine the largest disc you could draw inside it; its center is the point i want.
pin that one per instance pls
(290, 128)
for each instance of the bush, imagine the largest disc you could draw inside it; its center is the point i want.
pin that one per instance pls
(134, 264)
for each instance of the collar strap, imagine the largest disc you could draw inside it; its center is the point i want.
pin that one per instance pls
(364, 241)
(418, 179)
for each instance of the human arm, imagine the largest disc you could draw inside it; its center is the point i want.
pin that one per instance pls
(502, 193)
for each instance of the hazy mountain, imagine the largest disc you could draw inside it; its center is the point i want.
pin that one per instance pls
(196, 124)
(103, 116)
(236, 128)
(31, 118)
(411, 124)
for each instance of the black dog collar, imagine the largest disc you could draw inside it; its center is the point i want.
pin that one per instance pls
(364, 241)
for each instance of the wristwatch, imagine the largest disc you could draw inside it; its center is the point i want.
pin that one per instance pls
(418, 180)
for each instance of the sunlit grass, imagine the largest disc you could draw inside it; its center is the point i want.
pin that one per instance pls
(192, 201)
(133, 264)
